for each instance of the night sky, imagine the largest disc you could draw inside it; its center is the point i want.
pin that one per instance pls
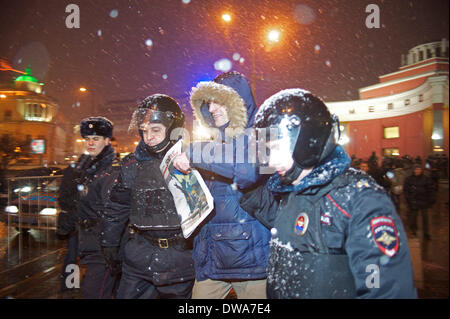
(125, 50)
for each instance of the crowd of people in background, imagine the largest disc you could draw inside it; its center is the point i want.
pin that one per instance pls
(414, 178)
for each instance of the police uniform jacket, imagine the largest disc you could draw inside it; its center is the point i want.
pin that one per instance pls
(141, 199)
(334, 235)
(97, 177)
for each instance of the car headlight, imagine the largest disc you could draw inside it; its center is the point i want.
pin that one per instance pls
(48, 211)
(24, 189)
(11, 209)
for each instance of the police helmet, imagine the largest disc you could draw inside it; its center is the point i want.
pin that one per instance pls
(304, 121)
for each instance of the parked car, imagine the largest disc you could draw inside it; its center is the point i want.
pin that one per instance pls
(32, 201)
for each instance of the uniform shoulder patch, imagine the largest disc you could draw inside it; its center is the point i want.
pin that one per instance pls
(385, 235)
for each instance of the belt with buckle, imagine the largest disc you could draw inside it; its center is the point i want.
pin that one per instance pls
(158, 241)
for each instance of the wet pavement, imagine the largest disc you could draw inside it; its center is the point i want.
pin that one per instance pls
(30, 263)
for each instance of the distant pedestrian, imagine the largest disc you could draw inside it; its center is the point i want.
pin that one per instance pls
(420, 195)
(397, 178)
(364, 166)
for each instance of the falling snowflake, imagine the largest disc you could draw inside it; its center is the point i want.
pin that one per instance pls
(114, 13)
(304, 14)
(223, 65)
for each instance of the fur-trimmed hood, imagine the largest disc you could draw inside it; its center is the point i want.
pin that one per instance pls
(231, 90)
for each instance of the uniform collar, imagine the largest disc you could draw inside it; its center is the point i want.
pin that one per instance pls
(335, 164)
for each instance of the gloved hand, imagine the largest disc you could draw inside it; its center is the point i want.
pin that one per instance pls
(66, 223)
(113, 262)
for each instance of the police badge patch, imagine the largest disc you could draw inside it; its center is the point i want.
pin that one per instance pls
(385, 235)
(301, 224)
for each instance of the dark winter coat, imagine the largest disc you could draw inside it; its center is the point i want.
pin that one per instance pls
(95, 183)
(331, 233)
(419, 191)
(231, 244)
(141, 198)
(68, 196)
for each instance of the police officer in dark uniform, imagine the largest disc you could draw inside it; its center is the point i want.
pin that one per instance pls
(157, 258)
(335, 232)
(98, 174)
(68, 219)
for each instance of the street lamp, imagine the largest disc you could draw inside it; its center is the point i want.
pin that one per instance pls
(267, 39)
(226, 17)
(84, 90)
(273, 35)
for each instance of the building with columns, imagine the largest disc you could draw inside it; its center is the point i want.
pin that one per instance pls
(406, 113)
(33, 122)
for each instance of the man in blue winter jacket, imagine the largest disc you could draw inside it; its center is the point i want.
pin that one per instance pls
(335, 232)
(231, 249)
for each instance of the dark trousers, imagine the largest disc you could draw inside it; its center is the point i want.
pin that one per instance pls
(97, 282)
(70, 258)
(135, 287)
(142, 271)
(413, 214)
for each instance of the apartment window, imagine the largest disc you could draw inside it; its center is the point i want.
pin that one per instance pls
(371, 109)
(407, 102)
(390, 106)
(391, 132)
(391, 152)
(420, 97)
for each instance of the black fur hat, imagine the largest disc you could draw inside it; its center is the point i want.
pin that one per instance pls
(97, 125)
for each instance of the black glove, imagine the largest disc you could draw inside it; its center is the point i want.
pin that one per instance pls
(66, 223)
(113, 262)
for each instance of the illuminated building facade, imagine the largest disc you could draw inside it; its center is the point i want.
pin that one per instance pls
(32, 120)
(406, 113)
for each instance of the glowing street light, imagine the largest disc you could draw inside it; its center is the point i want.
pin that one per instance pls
(226, 17)
(83, 89)
(274, 36)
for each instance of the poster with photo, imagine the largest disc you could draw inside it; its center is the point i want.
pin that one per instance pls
(192, 197)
